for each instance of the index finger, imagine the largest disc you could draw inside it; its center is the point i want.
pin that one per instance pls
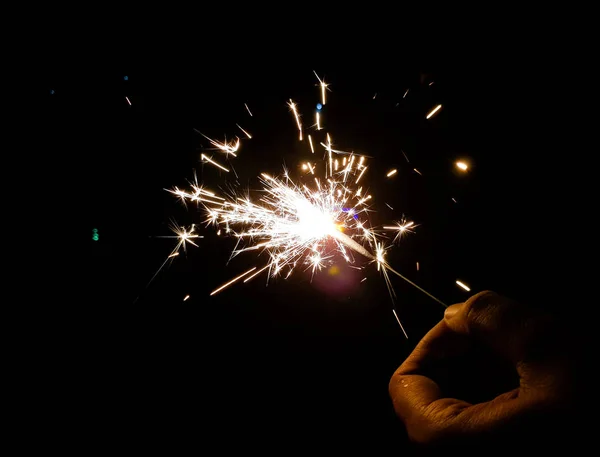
(412, 391)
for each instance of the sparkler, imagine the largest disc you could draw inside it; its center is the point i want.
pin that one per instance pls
(300, 224)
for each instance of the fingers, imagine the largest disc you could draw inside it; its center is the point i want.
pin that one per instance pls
(413, 393)
(422, 405)
(481, 311)
(518, 334)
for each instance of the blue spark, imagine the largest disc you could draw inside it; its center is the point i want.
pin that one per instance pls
(348, 210)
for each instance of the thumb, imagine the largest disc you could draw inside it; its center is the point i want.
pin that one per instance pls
(507, 327)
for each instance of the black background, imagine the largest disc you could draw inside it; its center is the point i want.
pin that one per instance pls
(292, 361)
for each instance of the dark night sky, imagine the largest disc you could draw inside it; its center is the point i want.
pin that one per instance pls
(291, 359)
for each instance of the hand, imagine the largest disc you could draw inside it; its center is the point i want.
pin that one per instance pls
(492, 371)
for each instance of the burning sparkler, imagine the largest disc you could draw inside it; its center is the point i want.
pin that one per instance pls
(303, 223)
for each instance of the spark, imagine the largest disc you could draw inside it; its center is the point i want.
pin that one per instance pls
(404, 96)
(405, 156)
(316, 261)
(183, 237)
(363, 279)
(311, 145)
(186, 297)
(292, 106)
(374, 95)
(337, 151)
(417, 171)
(246, 133)
(249, 112)
(453, 199)
(207, 159)
(127, 98)
(330, 155)
(392, 172)
(199, 194)
(291, 221)
(417, 266)
(389, 207)
(433, 111)
(398, 227)
(401, 228)
(463, 166)
(309, 167)
(301, 224)
(324, 88)
(464, 286)
(257, 273)
(294, 222)
(217, 290)
(360, 175)
(227, 148)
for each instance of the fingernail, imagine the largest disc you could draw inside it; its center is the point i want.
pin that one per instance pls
(451, 311)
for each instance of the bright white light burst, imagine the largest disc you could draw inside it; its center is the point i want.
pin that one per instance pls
(303, 223)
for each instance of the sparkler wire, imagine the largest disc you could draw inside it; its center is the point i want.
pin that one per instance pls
(361, 250)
